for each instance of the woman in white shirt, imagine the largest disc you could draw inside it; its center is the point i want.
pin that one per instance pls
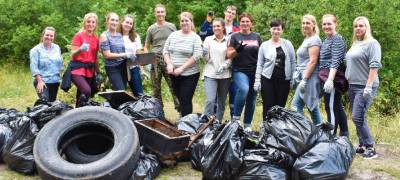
(132, 45)
(217, 72)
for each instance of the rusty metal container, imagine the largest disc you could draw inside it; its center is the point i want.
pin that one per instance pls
(161, 137)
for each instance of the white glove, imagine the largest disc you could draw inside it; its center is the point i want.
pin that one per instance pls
(222, 68)
(302, 85)
(131, 57)
(257, 86)
(367, 92)
(205, 51)
(84, 47)
(328, 86)
(292, 82)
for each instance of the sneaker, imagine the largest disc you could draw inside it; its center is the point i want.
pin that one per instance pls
(247, 129)
(370, 153)
(360, 149)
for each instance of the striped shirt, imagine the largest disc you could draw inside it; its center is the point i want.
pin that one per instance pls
(332, 53)
(181, 47)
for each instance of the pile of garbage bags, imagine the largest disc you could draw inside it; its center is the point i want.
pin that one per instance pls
(146, 107)
(289, 147)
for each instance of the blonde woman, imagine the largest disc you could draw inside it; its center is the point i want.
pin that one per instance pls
(182, 53)
(84, 48)
(308, 90)
(363, 61)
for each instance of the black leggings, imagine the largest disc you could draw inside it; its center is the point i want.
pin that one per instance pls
(49, 92)
(338, 117)
(184, 87)
(274, 91)
(83, 87)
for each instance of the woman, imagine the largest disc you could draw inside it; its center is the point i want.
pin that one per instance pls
(85, 45)
(182, 53)
(46, 64)
(217, 74)
(243, 50)
(332, 63)
(132, 45)
(363, 61)
(113, 49)
(308, 90)
(275, 67)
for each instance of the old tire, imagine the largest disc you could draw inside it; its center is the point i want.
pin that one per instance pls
(82, 150)
(119, 163)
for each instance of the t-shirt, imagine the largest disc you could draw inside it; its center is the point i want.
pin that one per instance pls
(114, 44)
(85, 57)
(246, 60)
(279, 69)
(157, 35)
(361, 57)
(181, 47)
(303, 57)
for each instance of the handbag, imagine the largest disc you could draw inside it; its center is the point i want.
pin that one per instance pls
(339, 82)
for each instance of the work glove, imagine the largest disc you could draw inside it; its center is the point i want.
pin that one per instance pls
(131, 57)
(367, 92)
(240, 47)
(222, 68)
(302, 85)
(328, 86)
(292, 82)
(205, 51)
(257, 86)
(84, 47)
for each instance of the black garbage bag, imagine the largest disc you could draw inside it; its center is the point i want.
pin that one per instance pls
(146, 107)
(326, 160)
(289, 131)
(189, 123)
(147, 168)
(5, 134)
(18, 152)
(46, 111)
(223, 157)
(9, 115)
(197, 149)
(263, 164)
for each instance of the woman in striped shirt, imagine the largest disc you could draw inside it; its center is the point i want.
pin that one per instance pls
(332, 59)
(182, 53)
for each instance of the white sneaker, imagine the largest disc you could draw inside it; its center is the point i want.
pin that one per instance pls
(248, 129)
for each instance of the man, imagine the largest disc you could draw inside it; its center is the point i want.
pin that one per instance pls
(206, 28)
(156, 36)
(230, 25)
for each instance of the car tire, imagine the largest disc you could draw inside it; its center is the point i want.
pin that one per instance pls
(118, 163)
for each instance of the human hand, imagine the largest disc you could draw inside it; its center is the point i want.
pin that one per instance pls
(84, 47)
(131, 57)
(206, 51)
(328, 86)
(257, 86)
(170, 68)
(367, 92)
(178, 71)
(302, 85)
(222, 68)
(240, 47)
(292, 82)
(40, 87)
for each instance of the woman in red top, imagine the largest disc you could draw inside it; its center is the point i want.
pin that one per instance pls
(85, 45)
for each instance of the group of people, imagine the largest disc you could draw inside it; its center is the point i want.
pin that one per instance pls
(237, 62)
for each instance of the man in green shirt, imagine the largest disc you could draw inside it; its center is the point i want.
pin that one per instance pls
(156, 36)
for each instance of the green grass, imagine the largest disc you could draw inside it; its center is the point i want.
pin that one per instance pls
(16, 91)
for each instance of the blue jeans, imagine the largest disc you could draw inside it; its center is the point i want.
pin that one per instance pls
(298, 104)
(136, 81)
(117, 76)
(359, 106)
(245, 93)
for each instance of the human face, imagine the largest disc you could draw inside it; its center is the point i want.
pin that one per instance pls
(230, 15)
(276, 32)
(359, 29)
(185, 24)
(245, 24)
(113, 22)
(218, 29)
(307, 27)
(160, 14)
(329, 26)
(127, 24)
(90, 24)
(48, 37)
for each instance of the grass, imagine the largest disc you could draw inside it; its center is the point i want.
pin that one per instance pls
(16, 91)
